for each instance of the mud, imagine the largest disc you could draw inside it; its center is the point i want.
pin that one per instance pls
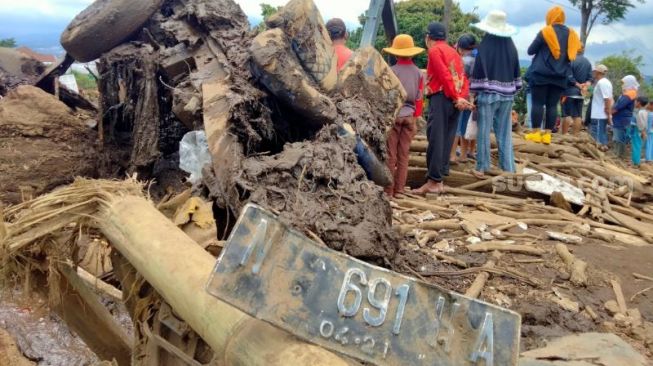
(319, 187)
(40, 336)
(43, 144)
(16, 69)
(151, 82)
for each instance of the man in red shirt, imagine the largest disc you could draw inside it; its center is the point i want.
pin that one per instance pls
(338, 33)
(447, 89)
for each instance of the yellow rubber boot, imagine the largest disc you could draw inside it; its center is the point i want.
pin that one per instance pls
(535, 136)
(546, 137)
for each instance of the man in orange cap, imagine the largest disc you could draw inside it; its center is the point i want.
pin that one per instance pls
(405, 127)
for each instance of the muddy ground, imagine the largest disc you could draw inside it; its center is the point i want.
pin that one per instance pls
(542, 318)
(43, 144)
(40, 335)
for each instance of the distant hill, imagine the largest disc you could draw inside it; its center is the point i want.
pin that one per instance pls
(525, 63)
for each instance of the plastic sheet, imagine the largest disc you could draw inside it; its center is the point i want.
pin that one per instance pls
(194, 155)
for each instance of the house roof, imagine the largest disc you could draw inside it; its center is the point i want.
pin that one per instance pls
(35, 55)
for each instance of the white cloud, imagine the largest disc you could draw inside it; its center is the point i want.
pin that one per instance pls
(528, 14)
(49, 8)
(348, 10)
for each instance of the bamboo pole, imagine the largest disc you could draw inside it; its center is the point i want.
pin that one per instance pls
(576, 267)
(619, 295)
(477, 286)
(99, 285)
(153, 245)
(503, 247)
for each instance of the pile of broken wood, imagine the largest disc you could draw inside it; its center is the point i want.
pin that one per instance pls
(587, 191)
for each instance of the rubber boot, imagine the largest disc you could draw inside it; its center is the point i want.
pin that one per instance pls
(535, 136)
(546, 137)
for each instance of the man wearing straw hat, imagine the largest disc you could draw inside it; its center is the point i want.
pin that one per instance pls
(447, 88)
(404, 129)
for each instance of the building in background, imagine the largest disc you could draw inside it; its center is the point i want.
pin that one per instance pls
(46, 60)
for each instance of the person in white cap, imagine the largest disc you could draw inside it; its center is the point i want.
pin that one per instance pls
(601, 110)
(495, 80)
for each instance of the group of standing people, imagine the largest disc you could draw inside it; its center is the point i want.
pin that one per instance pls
(631, 118)
(482, 79)
(458, 85)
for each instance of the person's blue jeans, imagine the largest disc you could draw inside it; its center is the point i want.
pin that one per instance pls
(636, 144)
(497, 115)
(620, 134)
(529, 106)
(462, 123)
(599, 130)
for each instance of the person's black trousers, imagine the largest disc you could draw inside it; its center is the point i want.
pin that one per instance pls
(545, 96)
(441, 133)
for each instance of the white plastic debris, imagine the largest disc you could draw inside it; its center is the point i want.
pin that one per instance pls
(425, 216)
(548, 184)
(194, 155)
(487, 236)
(474, 240)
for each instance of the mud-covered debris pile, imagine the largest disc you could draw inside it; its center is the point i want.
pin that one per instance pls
(43, 144)
(268, 90)
(349, 214)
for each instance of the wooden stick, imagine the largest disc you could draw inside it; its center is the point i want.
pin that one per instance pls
(468, 192)
(642, 277)
(420, 146)
(575, 266)
(452, 260)
(529, 261)
(453, 224)
(641, 293)
(591, 312)
(474, 291)
(99, 285)
(503, 247)
(621, 300)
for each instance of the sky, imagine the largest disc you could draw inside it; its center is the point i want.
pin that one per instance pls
(38, 23)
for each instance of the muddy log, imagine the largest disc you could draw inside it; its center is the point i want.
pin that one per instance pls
(152, 244)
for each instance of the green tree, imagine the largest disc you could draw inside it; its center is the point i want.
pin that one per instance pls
(608, 11)
(628, 63)
(520, 97)
(85, 81)
(8, 42)
(413, 17)
(268, 10)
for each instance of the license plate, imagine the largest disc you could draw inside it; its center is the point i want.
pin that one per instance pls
(278, 275)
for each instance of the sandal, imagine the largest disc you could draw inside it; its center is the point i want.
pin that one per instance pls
(478, 175)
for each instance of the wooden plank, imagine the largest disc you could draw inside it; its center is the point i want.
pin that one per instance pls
(82, 311)
(619, 294)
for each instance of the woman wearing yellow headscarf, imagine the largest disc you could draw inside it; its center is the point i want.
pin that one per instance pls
(555, 46)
